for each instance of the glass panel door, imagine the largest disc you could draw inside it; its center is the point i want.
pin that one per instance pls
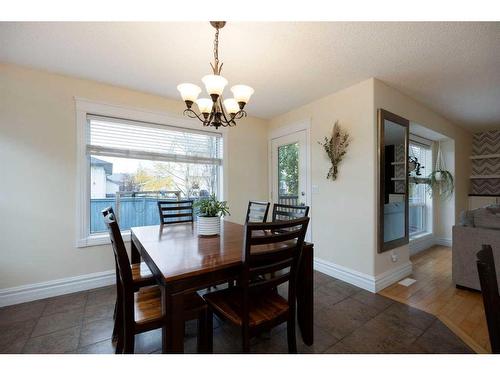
(289, 171)
(288, 174)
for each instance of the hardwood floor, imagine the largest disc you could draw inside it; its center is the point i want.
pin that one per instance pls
(434, 292)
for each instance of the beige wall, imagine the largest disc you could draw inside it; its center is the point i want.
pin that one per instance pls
(394, 101)
(343, 211)
(38, 172)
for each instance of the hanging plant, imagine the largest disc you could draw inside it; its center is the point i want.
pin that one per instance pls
(440, 180)
(336, 148)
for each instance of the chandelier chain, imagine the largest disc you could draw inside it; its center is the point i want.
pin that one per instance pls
(216, 48)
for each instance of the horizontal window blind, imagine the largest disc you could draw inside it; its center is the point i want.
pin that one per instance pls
(138, 140)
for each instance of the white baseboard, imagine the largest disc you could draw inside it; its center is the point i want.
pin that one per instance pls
(392, 276)
(362, 280)
(420, 244)
(444, 241)
(32, 292)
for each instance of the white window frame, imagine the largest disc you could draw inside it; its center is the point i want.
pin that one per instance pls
(84, 107)
(428, 213)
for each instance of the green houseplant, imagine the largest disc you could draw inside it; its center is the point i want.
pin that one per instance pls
(440, 181)
(210, 211)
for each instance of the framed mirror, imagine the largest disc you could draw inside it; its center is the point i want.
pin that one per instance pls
(393, 136)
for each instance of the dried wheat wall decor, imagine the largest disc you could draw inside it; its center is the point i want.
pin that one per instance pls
(336, 148)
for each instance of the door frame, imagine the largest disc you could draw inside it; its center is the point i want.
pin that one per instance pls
(287, 129)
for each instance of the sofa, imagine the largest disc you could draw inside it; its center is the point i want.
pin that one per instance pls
(476, 227)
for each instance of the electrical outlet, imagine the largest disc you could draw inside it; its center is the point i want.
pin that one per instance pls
(394, 257)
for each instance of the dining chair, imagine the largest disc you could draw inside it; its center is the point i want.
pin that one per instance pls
(141, 277)
(491, 298)
(284, 212)
(255, 305)
(140, 310)
(174, 212)
(257, 212)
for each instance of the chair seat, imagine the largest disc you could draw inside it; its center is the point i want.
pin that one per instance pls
(147, 305)
(262, 308)
(141, 274)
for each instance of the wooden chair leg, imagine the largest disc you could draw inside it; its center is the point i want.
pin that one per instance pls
(290, 332)
(205, 332)
(118, 328)
(129, 342)
(245, 340)
(119, 343)
(118, 316)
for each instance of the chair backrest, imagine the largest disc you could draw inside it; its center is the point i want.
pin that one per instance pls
(271, 250)
(119, 250)
(173, 212)
(491, 298)
(285, 212)
(257, 212)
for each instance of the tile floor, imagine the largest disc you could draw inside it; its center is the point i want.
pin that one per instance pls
(347, 320)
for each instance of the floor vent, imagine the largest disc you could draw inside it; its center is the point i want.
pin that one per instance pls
(407, 281)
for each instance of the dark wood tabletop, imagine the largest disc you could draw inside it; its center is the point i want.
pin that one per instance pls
(181, 261)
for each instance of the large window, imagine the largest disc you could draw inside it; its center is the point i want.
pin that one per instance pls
(420, 220)
(133, 164)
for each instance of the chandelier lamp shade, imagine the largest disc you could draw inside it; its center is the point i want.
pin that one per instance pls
(215, 111)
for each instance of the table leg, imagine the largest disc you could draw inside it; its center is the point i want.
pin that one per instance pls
(305, 295)
(134, 253)
(173, 330)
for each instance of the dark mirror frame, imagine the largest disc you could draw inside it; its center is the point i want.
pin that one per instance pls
(382, 116)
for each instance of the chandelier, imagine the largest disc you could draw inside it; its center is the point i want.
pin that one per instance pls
(215, 111)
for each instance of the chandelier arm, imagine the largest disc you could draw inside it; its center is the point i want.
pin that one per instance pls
(208, 121)
(192, 114)
(225, 120)
(240, 115)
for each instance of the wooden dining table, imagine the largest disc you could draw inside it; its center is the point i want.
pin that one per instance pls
(182, 262)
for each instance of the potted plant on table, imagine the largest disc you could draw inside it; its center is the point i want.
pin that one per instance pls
(210, 212)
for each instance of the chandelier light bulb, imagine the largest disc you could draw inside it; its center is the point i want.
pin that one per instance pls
(205, 105)
(214, 84)
(189, 92)
(232, 106)
(242, 93)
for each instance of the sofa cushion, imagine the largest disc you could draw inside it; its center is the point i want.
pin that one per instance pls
(494, 208)
(485, 218)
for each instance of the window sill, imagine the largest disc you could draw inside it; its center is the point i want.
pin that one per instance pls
(100, 239)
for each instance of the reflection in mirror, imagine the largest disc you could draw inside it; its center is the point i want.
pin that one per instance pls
(393, 211)
(394, 195)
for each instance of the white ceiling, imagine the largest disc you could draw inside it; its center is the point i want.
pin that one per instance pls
(453, 68)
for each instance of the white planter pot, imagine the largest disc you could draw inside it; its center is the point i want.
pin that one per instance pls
(208, 226)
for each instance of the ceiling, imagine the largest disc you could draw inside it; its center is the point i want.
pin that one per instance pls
(453, 68)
